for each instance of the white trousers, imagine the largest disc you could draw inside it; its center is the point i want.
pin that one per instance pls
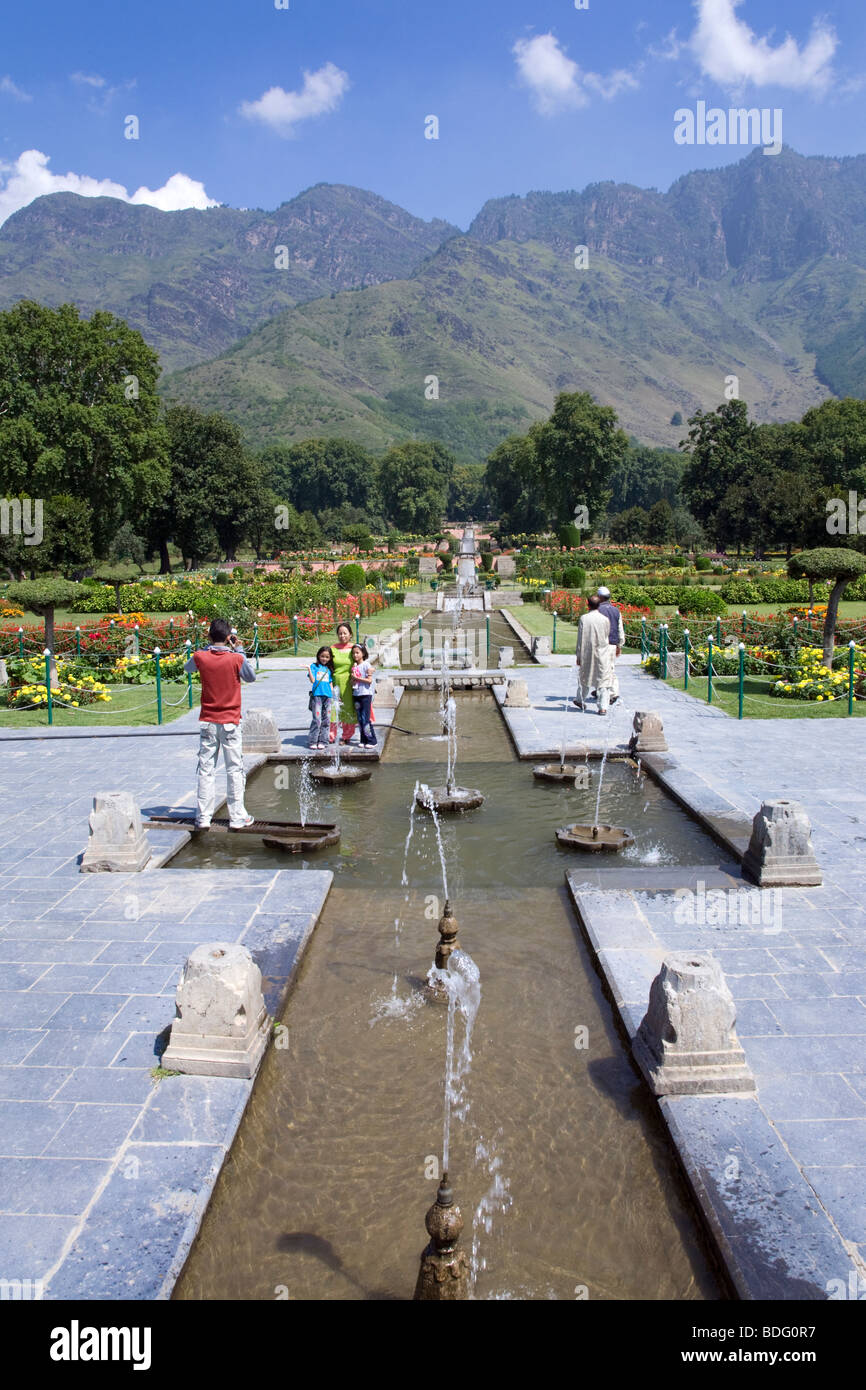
(229, 738)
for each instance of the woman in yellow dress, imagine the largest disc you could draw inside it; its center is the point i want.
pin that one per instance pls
(342, 650)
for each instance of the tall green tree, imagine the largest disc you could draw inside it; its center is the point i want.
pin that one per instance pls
(513, 478)
(414, 479)
(213, 479)
(318, 475)
(578, 449)
(719, 456)
(79, 414)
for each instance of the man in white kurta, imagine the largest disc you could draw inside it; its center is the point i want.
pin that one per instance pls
(595, 655)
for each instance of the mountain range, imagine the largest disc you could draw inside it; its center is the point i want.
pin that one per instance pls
(383, 325)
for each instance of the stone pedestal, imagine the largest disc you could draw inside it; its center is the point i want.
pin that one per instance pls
(385, 696)
(428, 565)
(389, 651)
(676, 666)
(649, 734)
(780, 851)
(506, 566)
(540, 647)
(517, 695)
(687, 1043)
(117, 841)
(260, 732)
(4, 677)
(221, 1028)
(506, 657)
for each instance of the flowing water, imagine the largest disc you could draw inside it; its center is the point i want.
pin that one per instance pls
(560, 1165)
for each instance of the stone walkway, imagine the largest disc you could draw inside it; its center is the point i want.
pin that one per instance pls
(105, 1173)
(781, 1177)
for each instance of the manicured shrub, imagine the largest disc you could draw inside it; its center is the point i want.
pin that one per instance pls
(700, 602)
(351, 578)
(574, 577)
(702, 563)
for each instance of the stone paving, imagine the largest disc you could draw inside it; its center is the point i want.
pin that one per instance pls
(104, 1175)
(105, 1172)
(781, 1177)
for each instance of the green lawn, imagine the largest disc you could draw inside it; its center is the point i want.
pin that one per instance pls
(759, 704)
(130, 705)
(539, 623)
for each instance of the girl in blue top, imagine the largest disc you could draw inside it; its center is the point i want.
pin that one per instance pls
(321, 676)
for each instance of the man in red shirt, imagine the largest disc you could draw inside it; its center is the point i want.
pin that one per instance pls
(222, 666)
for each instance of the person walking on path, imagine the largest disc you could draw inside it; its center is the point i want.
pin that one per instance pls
(342, 653)
(362, 692)
(617, 632)
(595, 655)
(321, 676)
(222, 666)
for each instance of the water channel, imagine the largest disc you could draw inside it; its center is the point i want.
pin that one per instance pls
(567, 1183)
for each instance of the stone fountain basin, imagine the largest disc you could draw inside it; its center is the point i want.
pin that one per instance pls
(556, 772)
(338, 776)
(450, 798)
(594, 837)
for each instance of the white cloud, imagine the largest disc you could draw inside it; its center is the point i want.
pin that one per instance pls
(87, 79)
(29, 177)
(11, 89)
(321, 93)
(730, 53)
(557, 82)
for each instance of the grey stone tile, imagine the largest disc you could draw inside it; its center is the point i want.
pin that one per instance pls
(82, 1012)
(27, 1126)
(754, 1020)
(191, 1109)
(816, 1017)
(30, 1245)
(804, 1097)
(94, 1131)
(48, 1186)
(107, 1085)
(133, 1233)
(827, 1143)
(31, 1082)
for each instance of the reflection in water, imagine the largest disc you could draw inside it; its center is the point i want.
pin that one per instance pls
(562, 1169)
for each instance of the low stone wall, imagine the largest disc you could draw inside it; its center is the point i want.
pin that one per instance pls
(457, 680)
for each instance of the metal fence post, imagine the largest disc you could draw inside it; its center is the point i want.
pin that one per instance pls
(156, 656)
(189, 673)
(709, 670)
(136, 650)
(78, 642)
(21, 643)
(295, 632)
(643, 646)
(744, 620)
(851, 677)
(554, 631)
(487, 658)
(256, 643)
(421, 640)
(685, 659)
(664, 650)
(48, 684)
(741, 674)
(719, 630)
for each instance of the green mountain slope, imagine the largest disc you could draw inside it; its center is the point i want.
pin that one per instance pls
(194, 282)
(504, 327)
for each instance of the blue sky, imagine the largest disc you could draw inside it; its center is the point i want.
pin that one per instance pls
(243, 103)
